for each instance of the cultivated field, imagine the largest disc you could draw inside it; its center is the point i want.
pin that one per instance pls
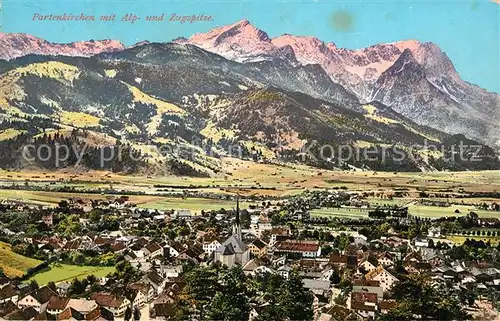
(250, 178)
(268, 179)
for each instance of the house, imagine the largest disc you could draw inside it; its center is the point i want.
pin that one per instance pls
(210, 244)
(447, 272)
(317, 287)
(342, 260)
(297, 249)
(258, 248)
(386, 279)
(56, 304)
(360, 239)
(279, 234)
(116, 304)
(434, 232)
(131, 256)
(99, 314)
(118, 247)
(387, 305)
(137, 297)
(386, 259)
(152, 250)
(83, 306)
(421, 243)
(173, 250)
(70, 314)
(44, 316)
(366, 265)
(48, 219)
(183, 214)
(145, 288)
(363, 303)
(154, 279)
(62, 288)
(4, 281)
(435, 259)
(189, 255)
(468, 279)
(37, 300)
(7, 307)
(164, 306)
(8, 293)
(481, 275)
(368, 286)
(23, 314)
(256, 266)
(284, 271)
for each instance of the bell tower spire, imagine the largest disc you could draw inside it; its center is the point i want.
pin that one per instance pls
(237, 223)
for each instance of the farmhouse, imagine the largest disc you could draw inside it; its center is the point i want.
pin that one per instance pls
(295, 248)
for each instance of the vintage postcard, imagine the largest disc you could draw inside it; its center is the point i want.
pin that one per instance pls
(249, 160)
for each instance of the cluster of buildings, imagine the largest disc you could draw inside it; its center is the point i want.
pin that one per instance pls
(371, 267)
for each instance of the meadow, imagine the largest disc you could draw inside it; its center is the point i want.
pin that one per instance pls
(63, 272)
(13, 264)
(413, 209)
(252, 178)
(193, 204)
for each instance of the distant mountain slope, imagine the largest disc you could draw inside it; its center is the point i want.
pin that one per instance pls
(439, 98)
(366, 74)
(434, 95)
(202, 106)
(14, 45)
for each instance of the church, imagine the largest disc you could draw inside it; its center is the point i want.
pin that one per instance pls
(233, 251)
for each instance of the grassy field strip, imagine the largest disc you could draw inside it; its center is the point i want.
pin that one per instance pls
(64, 272)
(460, 239)
(193, 204)
(340, 212)
(413, 209)
(435, 211)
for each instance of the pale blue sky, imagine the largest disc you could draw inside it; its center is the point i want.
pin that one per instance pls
(468, 31)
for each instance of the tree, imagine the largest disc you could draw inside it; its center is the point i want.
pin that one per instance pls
(232, 303)
(34, 286)
(128, 314)
(77, 287)
(202, 285)
(271, 312)
(51, 285)
(295, 299)
(137, 314)
(335, 277)
(417, 299)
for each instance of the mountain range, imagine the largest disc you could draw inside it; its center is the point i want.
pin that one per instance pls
(236, 85)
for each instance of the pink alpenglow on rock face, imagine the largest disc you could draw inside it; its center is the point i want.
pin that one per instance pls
(14, 45)
(356, 70)
(240, 41)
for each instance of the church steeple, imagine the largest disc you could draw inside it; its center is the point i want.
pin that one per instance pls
(237, 223)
